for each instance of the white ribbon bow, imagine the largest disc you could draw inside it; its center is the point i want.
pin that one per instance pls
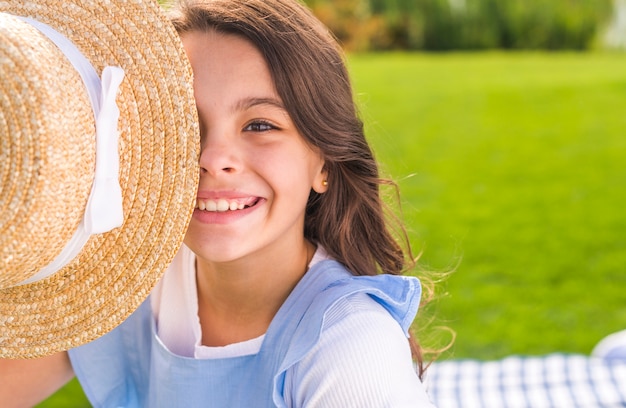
(104, 207)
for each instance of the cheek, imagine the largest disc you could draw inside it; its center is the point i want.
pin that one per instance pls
(288, 168)
(292, 179)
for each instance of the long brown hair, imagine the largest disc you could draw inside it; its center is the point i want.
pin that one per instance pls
(350, 220)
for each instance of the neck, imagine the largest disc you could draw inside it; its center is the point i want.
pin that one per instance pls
(237, 301)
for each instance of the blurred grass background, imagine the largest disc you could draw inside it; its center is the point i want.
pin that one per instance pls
(511, 167)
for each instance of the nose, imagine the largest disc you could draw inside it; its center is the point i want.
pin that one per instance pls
(218, 154)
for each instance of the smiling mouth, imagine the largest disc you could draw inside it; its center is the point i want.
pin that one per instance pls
(223, 205)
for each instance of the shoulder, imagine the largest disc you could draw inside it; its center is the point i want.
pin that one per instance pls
(398, 294)
(354, 310)
(362, 358)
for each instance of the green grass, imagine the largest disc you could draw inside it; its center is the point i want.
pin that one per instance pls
(512, 165)
(70, 396)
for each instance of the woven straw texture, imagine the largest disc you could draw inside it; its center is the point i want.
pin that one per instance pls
(48, 158)
(158, 146)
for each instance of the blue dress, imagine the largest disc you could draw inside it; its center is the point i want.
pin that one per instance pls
(130, 367)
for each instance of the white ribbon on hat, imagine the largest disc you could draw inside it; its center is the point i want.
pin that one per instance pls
(104, 207)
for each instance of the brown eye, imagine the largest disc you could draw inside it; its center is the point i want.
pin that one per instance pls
(259, 126)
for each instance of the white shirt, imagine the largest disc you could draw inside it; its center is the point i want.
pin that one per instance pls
(175, 306)
(362, 350)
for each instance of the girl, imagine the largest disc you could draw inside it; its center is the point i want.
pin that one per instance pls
(284, 294)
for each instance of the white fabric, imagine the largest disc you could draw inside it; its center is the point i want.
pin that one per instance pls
(612, 347)
(555, 380)
(175, 305)
(360, 343)
(363, 352)
(104, 207)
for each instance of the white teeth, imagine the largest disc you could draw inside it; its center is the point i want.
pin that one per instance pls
(219, 205)
(222, 205)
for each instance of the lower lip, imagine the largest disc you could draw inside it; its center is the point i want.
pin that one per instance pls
(225, 217)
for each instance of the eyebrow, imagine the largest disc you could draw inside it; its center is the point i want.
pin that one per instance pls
(248, 103)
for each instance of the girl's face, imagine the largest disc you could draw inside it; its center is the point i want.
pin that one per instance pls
(256, 171)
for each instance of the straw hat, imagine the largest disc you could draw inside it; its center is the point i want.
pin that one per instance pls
(74, 263)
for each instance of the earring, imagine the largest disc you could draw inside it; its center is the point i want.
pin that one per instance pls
(325, 183)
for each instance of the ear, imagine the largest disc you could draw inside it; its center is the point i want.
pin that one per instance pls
(320, 183)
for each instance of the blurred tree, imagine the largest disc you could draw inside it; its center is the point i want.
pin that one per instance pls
(554, 24)
(464, 24)
(350, 21)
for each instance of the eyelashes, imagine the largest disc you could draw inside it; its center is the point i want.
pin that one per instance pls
(260, 126)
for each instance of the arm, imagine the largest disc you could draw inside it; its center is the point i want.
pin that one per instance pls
(362, 359)
(25, 383)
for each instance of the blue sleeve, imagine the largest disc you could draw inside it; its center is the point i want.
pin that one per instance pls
(113, 370)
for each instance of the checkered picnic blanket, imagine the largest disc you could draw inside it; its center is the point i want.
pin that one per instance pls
(552, 381)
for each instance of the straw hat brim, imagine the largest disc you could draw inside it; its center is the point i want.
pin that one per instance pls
(158, 144)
